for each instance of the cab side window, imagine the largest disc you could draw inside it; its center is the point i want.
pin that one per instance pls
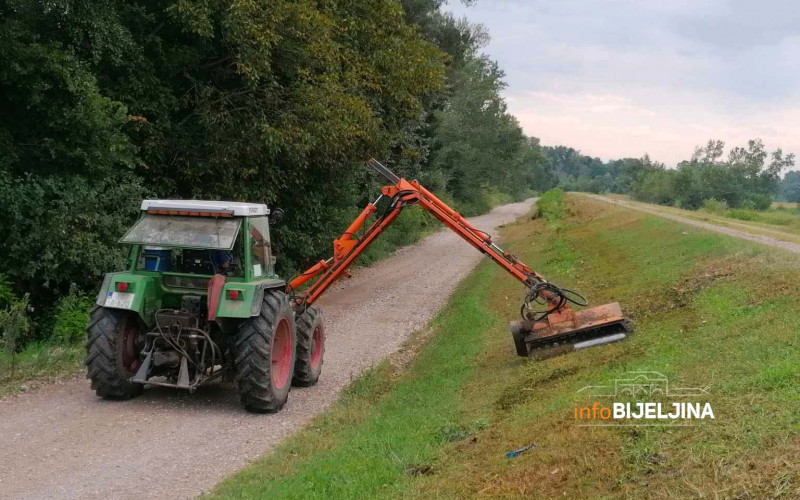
(260, 251)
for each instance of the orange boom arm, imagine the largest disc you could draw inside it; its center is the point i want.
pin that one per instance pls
(402, 193)
(556, 319)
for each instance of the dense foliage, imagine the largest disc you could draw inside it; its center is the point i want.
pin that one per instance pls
(109, 101)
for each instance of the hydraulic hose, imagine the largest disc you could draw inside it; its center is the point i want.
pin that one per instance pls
(538, 293)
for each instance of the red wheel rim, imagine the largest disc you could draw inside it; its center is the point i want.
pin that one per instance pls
(281, 354)
(130, 359)
(316, 347)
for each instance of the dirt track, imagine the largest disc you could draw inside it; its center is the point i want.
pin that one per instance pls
(62, 442)
(758, 238)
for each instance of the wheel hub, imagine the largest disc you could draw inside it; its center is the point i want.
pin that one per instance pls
(280, 368)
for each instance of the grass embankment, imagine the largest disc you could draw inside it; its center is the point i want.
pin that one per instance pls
(711, 311)
(781, 221)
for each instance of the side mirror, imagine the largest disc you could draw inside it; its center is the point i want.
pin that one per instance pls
(276, 215)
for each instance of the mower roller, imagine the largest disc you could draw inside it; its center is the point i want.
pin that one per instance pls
(547, 319)
(200, 300)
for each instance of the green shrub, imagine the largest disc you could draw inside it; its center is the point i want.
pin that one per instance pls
(495, 197)
(714, 206)
(61, 230)
(71, 316)
(759, 201)
(471, 208)
(409, 227)
(741, 214)
(14, 324)
(658, 187)
(551, 205)
(484, 201)
(6, 292)
(748, 205)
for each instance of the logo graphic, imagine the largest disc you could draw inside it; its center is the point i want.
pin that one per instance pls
(641, 398)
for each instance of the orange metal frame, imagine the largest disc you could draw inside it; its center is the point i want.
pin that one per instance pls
(557, 320)
(349, 246)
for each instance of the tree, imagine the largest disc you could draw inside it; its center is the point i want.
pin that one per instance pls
(477, 142)
(710, 153)
(539, 177)
(790, 187)
(66, 163)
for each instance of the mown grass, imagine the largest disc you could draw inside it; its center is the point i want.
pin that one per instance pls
(710, 311)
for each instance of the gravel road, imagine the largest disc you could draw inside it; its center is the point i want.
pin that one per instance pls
(758, 238)
(61, 441)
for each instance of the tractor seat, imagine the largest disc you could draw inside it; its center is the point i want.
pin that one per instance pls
(197, 262)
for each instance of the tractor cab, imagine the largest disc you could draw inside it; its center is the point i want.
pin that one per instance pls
(201, 249)
(202, 238)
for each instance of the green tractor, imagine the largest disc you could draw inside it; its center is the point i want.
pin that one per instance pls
(199, 302)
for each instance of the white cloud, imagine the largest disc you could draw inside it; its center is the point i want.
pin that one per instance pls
(618, 78)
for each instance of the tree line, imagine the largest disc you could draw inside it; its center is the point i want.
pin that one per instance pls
(106, 102)
(747, 177)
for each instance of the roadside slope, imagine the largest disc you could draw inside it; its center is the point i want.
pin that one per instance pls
(62, 442)
(724, 229)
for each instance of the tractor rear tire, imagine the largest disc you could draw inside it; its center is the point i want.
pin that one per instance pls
(264, 350)
(112, 353)
(310, 347)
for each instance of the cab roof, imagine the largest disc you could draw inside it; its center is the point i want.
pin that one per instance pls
(234, 208)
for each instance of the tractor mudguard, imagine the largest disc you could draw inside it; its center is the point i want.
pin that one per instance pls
(131, 292)
(101, 295)
(243, 300)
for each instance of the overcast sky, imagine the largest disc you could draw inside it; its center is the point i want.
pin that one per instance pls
(620, 78)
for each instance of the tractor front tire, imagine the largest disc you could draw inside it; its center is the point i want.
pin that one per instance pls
(112, 353)
(310, 347)
(264, 351)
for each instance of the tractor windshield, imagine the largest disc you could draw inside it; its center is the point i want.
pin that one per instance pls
(185, 232)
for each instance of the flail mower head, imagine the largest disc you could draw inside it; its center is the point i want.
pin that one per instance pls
(554, 327)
